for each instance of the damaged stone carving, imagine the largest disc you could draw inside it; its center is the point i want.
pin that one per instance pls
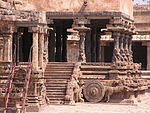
(74, 87)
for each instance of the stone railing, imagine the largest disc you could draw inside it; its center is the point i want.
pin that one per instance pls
(74, 87)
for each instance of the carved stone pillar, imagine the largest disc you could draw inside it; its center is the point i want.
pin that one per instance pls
(51, 46)
(148, 56)
(126, 46)
(82, 32)
(82, 57)
(93, 44)
(45, 54)
(98, 52)
(7, 52)
(130, 48)
(35, 52)
(121, 45)
(88, 46)
(102, 53)
(19, 35)
(58, 56)
(20, 49)
(64, 45)
(116, 53)
(41, 49)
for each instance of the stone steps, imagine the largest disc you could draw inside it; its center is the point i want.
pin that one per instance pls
(58, 72)
(57, 81)
(56, 85)
(55, 93)
(94, 70)
(59, 68)
(57, 75)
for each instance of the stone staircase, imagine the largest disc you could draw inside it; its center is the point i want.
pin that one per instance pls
(56, 77)
(94, 71)
(18, 83)
(4, 77)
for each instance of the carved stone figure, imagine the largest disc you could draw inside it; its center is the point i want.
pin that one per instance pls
(43, 94)
(74, 87)
(73, 93)
(110, 90)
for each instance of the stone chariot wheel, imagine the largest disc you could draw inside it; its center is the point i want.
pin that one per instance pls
(93, 91)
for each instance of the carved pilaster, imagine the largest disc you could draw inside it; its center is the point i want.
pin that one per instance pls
(58, 56)
(122, 51)
(41, 49)
(98, 51)
(126, 46)
(7, 47)
(116, 53)
(88, 46)
(125, 50)
(64, 47)
(93, 43)
(130, 48)
(35, 52)
(82, 57)
(51, 46)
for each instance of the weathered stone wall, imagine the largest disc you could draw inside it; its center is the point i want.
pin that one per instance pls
(141, 17)
(72, 51)
(125, 6)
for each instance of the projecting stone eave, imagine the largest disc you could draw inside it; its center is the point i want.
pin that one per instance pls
(89, 15)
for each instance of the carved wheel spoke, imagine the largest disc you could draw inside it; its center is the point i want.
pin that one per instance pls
(93, 91)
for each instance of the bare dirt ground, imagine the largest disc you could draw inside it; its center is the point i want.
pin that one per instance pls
(143, 107)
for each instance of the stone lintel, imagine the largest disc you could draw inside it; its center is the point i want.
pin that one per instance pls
(38, 29)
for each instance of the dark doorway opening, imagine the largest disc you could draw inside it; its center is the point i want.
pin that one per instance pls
(57, 41)
(108, 52)
(23, 41)
(140, 54)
